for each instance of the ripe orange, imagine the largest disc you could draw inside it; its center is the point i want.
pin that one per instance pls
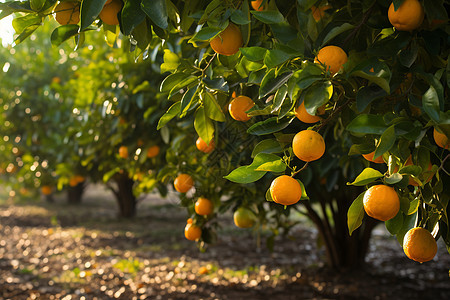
(369, 157)
(109, 12)
(238, 107)
(305, 117)
(183, 183)
(308, 145)
(441, 139)
(123, 151)
(204, 147)
(203, 270)
(153, 151)
(228, 41)
(285, 190)
(419, 245)
(409, 15)
(73, 181)
(67, 13)
(381, 202)
(192, 232)
(203, 206)
(333, 57)
(46, 190)
(411, 181)
(257, 5)
(318, 13)
(244, 218)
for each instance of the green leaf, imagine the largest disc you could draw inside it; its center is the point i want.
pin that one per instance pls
(267, 146)
(335, 32)
(409, 222)
(63, 33)
(269, 126)
(387, 140)
(169, 115)
(430, 104)
(205, 34)
(395, 224)
(367, 95)
(271, 82)
(269, 162)
(394, 178)
(238, 17)
(212, 107)
(279, 98)
(245, 174)
(367, 176)
(132, 16)
(156, 10)
(268, 16)
(375, 71)
(90, 9)
(37, 5)
(355, 214)
(171, 81)
(317, 95)
(186, 100)
(20, 24)
(171, 61)
(367, 124)
(276, 57)
(217, 83)
(262, 163)
(254, 54)
(203, 125)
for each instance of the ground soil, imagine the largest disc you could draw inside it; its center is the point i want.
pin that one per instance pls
(57, 251)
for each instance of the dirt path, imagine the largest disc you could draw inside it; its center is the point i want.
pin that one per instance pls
(71, 252)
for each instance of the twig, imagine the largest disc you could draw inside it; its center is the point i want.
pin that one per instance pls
(208, 64)
(442, 165)
(358, 27)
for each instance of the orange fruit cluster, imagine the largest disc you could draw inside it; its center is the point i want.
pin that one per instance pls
(419, 245)
(239, 106)
(67, 12)
(333, 57)
(381, 202)
(408, 16)
(285, 190)
(228, 41)
(183, 183)
(192, 232)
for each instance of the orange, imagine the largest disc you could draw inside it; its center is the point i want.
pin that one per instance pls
(192, 232)
(441, 139)
(305, 117)
(381, 202)
(123, 151)
(318, 13)
(238, 107)
(73, 181)
(183, 183)
(257, 5)
(46, 190)
(411, 181)
(419, 245)
(308, 145)
(203, 206)
(333, 57)
(369, 157)
(153, 151)
(244, 218)
(203, 270)
(108, 15)
(285, 190)
(228, 41)
(408, 16)
(204, 147)
(67, 13)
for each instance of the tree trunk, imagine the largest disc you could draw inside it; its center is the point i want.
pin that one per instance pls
(124, 195)
(343, 251)
(75, 193)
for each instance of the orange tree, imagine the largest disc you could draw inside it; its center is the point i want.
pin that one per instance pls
(374, 73)
(36, 116)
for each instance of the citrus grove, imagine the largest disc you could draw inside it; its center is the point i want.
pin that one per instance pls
(336, 110)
